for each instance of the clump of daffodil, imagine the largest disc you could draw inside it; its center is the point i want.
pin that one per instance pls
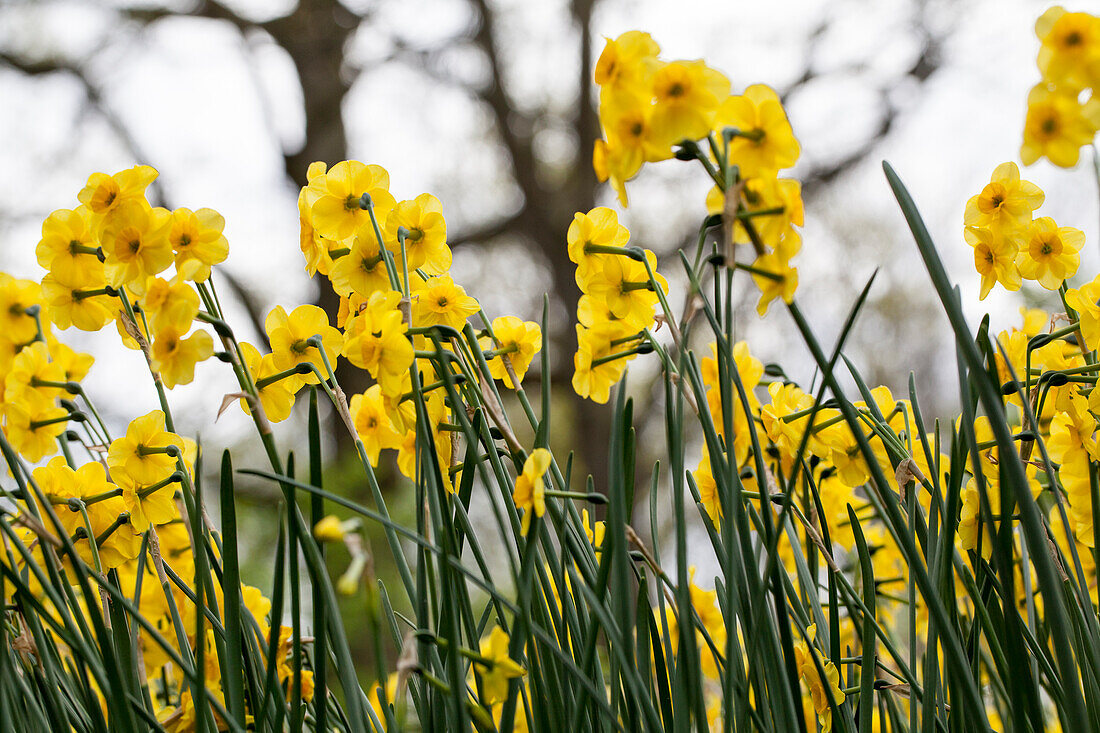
(529, 493)
(619, 299)
(495, 668)
(514, 341)
(823, 689)
(1009, 244)
(651, 109)
(1063, 112)
(376, 341)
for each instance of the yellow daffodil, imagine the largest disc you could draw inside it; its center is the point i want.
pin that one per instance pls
(623, 283)
(1070, 51)
(376, 340)
(136, 245)
(170, 305)
(1084, 300)
(148, 506)
(780, 280)
(439, 300)
(994, 258)
(1006, 203)
(764, 143)
(105, 195)
(33, 376)
(32, 425)
(1049, 252)
(68, 239)
(362, 271)
(336, 212)
(289, 336)
(276, 398)
(589, 237)
(626, 65)
(196, 238)
(498, 668)
(686, 96)
(74, 364)
(174, 357)
(426, 241)
(823, 690)
(60, 483)
(74, 302)
(518, 341)
(372, 423)
(16, 296)
(602, 353)
(141, 452)
(314, 247)
(1057, 125)
(529, 493)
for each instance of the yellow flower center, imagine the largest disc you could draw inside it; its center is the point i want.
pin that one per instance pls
(992, 198)
(104, 197)
(1045, 246)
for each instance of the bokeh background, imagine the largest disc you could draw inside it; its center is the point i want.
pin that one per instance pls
(489, 104)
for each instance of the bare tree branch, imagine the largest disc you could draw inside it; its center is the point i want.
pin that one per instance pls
(157, 194)
(45, 67)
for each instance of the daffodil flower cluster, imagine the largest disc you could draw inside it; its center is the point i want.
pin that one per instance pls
(871, 570)
(389, 262)
(618, 302)
(1063, 112)
(652, 110)
(116, 258)
(106, 261)
(1009, 244)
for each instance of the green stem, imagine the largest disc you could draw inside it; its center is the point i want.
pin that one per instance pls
(600, 361)
(83, 249)
(88, 500)
(757, 271)
(390, 267)
(752, 213)
(175, 478)
(36, 424)
(634, 253)
(79, 295)
(277, 377)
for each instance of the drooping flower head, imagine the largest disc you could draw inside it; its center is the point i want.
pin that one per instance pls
(529, 493)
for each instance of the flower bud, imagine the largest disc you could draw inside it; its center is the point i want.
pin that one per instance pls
(329, 529)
